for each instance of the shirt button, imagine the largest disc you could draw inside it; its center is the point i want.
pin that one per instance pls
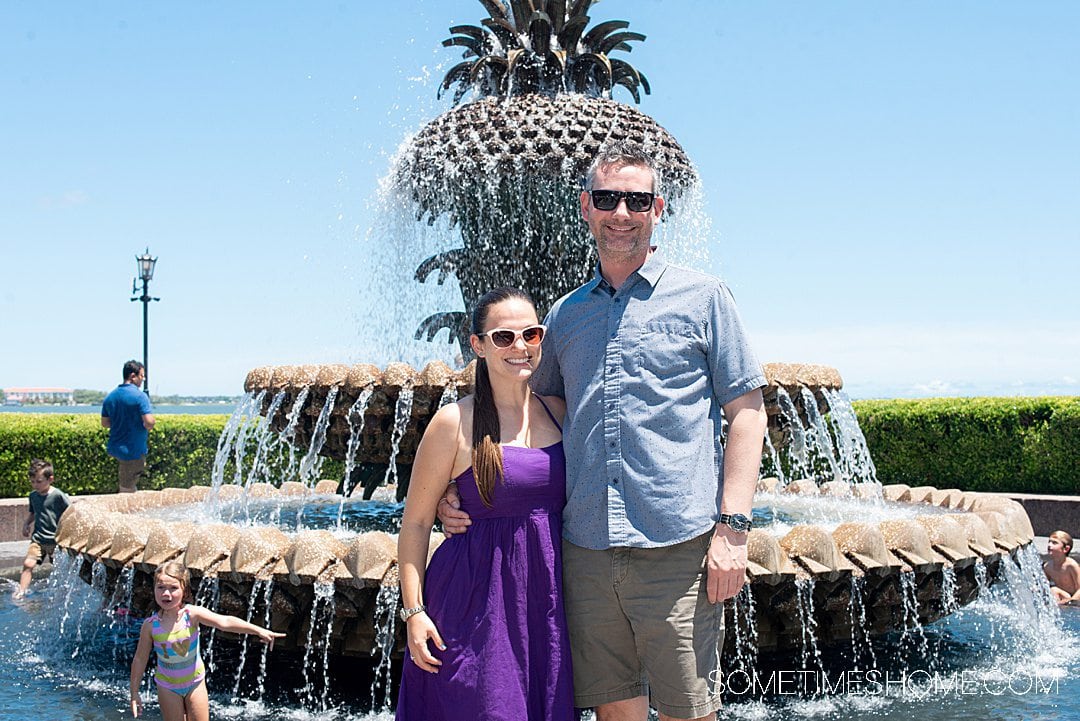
(614, 481)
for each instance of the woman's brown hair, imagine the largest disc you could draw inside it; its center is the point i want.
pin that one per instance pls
(487, 460)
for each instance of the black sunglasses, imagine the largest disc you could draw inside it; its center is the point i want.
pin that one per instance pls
(636, 201)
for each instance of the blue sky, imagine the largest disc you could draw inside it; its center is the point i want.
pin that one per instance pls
(894, 188)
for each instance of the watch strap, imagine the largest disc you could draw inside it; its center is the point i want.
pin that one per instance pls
(736, 522)
(407, 613)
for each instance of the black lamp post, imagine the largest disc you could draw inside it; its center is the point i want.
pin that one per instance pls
(146, 264)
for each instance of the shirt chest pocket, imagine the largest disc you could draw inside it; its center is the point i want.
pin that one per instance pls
(667, 349)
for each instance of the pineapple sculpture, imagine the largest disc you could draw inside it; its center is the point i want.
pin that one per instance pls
(507, 167)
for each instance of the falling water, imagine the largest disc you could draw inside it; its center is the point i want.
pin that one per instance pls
(1027, 586)
(355, 419)
(810, 652)
(949, 603)
(398, 244)
(402, 411)
(66, 567)
(798, 458)
(386, 604)
(912, 634)
(244, 640)
(980, 576)
(317, 647)
(745, 628)
(853, 453)
(266, 438)
(227, 440)
(860, 636)
(287, 436)
(208, 595)
(773, 457)
(252, 420)
(449, 395)
(312, 461)
(268, 591)
(98, 584)
(819, 440)
(118, 607)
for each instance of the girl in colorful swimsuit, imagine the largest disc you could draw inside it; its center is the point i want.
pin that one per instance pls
(173, 633)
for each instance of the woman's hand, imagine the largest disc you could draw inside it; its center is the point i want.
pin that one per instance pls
(420, 629)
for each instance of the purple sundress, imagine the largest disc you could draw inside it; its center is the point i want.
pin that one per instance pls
(495, 595)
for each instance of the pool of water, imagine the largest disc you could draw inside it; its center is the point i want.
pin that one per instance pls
(778, 513)
(1006, 656)
(345, 517)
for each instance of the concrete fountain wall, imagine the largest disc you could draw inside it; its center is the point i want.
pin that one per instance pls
(970, 534)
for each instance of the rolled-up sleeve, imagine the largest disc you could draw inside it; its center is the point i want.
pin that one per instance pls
(735, 369)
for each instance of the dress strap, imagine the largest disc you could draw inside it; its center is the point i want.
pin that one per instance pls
(548, 411)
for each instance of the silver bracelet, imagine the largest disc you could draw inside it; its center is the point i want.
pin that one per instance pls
(407, 613)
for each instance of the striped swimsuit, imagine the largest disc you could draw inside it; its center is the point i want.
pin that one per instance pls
(179, 665)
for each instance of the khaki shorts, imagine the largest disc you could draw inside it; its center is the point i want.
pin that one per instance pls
(641, 625)
(41, 551)
(130, 473)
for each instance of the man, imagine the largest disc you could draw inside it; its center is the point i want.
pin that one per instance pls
(646, 354)
(127, 414)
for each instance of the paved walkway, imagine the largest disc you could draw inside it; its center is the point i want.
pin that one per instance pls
(11, 558)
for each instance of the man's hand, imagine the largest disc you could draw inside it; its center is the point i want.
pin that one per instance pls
(453, 519)
(726, 563)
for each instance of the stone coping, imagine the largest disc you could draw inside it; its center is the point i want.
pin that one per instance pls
(109, 528)
(439, 374)
(1049, 513)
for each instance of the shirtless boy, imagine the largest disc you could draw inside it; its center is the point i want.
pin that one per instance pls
(1063, 572)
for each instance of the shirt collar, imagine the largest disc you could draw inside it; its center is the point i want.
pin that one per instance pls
(651, 270)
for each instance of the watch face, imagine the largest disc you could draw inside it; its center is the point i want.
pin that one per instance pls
(739, 522)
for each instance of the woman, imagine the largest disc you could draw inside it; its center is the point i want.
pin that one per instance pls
(486, 629)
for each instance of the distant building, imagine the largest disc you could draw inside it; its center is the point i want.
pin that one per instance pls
(16, 396)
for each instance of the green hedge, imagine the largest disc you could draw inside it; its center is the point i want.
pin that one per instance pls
(181, 451)
(1020, 445)
(1017, 445)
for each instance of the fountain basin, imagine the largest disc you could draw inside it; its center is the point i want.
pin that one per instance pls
(966, 536)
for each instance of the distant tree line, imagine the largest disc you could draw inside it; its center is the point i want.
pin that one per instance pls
(85, 396)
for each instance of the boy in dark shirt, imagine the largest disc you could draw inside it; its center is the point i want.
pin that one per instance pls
(47, 504)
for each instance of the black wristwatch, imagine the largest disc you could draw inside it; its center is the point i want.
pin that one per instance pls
(736, 522)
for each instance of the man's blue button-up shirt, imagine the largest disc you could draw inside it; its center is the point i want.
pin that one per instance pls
(645, 371)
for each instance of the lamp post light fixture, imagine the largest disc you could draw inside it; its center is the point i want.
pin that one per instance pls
(146, 263)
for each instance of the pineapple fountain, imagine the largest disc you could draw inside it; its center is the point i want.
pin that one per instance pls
(505, 169)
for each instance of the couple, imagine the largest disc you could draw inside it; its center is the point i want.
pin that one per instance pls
(653, 533)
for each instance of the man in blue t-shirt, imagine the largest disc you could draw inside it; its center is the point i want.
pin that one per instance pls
(127, 414)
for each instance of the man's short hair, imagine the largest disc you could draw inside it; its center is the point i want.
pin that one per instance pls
(621, 153)
(132, 367)
(39, 466)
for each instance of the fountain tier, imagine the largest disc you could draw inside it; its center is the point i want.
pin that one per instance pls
(933, 547)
